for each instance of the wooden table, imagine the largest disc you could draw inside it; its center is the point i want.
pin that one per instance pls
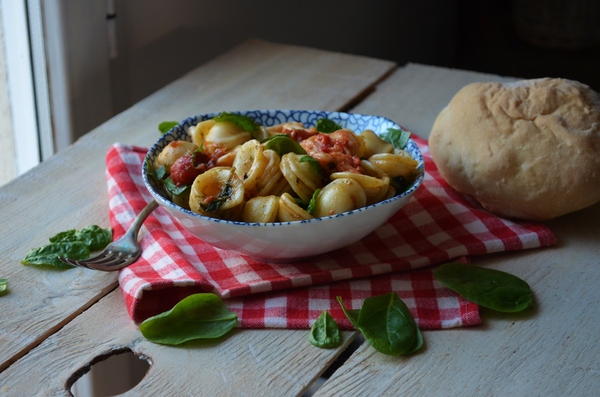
(56, 322)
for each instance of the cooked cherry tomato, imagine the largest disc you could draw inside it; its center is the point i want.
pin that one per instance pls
(185, 169)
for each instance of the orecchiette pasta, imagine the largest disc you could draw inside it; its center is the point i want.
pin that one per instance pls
(394, 164)
(218, 192)
(374, 144)
(239, 170)
(340, 195)
(199, 131)
(250, 164)
(272, 181)
(225, 135)
(290, 211)
(172, 152)
(261, 209)
(374, 188)
(301, 177)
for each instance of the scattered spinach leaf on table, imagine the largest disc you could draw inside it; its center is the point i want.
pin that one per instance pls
(93, 236)
(351, 314)
(73, 244)
(48, 255)
(325, 332)
(490, 288)
(386, 323)
(3, 285)
(198, 316)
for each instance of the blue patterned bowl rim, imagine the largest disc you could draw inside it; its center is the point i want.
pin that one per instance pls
(352, 121)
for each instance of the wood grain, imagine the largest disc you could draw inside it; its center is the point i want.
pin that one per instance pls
(243, 363)
(69, 190)
(550, 350)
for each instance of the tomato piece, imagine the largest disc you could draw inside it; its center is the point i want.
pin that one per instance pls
(300, 135)
(185, 169)
(337, 152)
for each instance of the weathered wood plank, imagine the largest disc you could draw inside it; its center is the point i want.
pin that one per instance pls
(243, 363)
(69, 190)
(550, 350)
(414, 95)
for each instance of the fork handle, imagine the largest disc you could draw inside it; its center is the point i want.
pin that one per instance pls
(141, 217)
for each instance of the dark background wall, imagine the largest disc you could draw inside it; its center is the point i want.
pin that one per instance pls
(531, 38)
(157, 41)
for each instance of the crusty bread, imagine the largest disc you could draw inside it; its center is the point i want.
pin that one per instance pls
(528, 150)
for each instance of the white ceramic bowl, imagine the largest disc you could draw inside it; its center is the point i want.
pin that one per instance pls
(287, 241)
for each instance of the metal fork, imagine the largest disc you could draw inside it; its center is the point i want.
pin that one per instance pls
(120, 253)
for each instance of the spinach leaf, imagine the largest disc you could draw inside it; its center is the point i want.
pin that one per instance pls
(312, 205)
(352, 315)
(314, 164)
(158, 173)
(387, 324)
(490, 288)
(397, 137)
(173, 189)
(166, 126)
(244, 122)
(221, 199)
(3, 285)
(199, 316)
(283, 144)
(48, 254)
(93, 236)
(327, 126)
(157, 177)
(325, 332)
(73, 244)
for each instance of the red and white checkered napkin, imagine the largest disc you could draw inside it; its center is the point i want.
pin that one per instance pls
(437, 225)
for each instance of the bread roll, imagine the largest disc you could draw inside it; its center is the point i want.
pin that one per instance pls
(528, 150)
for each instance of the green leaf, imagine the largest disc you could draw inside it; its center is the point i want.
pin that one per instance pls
(386, 323)
(3, 285)
(173, 189)
(244, 122)
(48, 255)
(490, 288)
(93, 236)
(215, 204)
(325, 332)
(352, 315)
(283, 144)
(327, 126)
(314, 164)
(312, 205)
(166, 126)
(160, 172)
(397, 137)
(199, 316)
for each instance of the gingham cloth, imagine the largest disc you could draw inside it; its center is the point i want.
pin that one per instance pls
(437, 225)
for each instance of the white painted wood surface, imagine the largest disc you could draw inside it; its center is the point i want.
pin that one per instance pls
(244, 363)
(69, 190)
(551, 350)
(548, 351)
